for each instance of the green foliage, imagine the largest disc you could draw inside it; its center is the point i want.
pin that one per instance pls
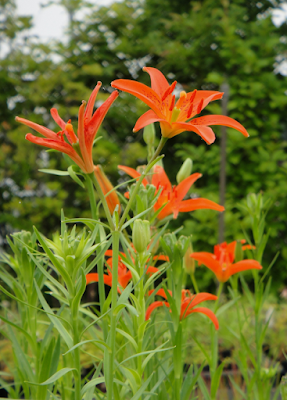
(201, 44)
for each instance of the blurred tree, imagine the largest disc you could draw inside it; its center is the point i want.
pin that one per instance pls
(201, 44)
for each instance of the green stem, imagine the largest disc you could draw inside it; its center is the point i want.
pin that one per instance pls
(112, 342)
(194, 282)
(218, 296)
(214, 337)
(141, 317)
(76, 352)
(103, 200)
(102, 295)
(136, 189)
(91, 193)
(178, 362)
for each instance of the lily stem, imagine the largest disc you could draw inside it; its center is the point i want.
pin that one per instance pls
(112, 342)
(103, 200)
(91, 193)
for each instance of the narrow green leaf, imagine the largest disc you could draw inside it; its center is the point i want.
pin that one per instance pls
(147, 352)
(87, 221)
(22, 361)
(54, 172)
(54, 377)
(189, 382)
(100, 342)
(74, 176)
(142, 389)
(60, 327)
(129, 337)
(92, 384)
(216, 380)
(203, 388)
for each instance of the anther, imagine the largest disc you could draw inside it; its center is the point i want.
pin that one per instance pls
(199, 107)
(193, 95)
(169, 90)
(189, 111)
(172, 103)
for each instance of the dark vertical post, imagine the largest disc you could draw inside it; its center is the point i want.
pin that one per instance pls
(222, 174)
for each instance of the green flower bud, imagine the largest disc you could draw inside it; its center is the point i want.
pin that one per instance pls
(238, 252)
(185, 170)
(149, 134)
(188, 262)
(183, 243)
(141, 235)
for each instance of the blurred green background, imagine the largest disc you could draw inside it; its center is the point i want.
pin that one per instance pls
(202, 44)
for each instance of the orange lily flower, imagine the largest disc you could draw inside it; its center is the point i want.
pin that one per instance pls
(188, 302)
(124, 275)
(173, 195)
(175, 117)
(106, 186)
(222, 261)
(78, 148)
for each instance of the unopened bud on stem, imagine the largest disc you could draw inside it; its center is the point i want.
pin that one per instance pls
(185, 170)
(141, 235)
(149, 134)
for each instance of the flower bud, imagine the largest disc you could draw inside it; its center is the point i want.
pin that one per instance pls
(141, 235)
(188, 262)
(238, 252)
(185, 170)
(106, 186)
(149, 134)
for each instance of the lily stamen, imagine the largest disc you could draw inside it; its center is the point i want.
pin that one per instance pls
(169, 90)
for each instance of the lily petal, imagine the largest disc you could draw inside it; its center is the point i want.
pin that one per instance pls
(86, 154)
(91, 102)
(206, 95)
(208, 260)
(199, 204)
(185, 185)
(160, 179)
(142, 92)
(207, 312)
(124, 280)
(158, 81)
(204, 132)
(133, 173)
(220, 120)
(96, 120)
(152, 270)
(56, 117)
(94, 277)
(38, 128)
(153, 306)
(58, 145)
(200, 297)
(147, 118)
(243, 266)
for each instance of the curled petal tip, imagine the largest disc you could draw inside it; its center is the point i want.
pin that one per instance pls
(84, 102)
(17, 118)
